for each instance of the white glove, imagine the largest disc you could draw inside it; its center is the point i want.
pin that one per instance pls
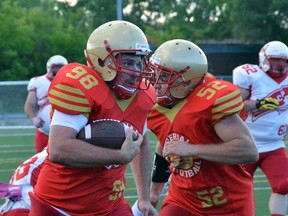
(136, 211)
(38, 122)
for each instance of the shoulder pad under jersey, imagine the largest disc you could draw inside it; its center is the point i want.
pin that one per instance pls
(216, 99)
(76, 88)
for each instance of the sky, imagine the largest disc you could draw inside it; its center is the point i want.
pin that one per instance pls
(70, 2)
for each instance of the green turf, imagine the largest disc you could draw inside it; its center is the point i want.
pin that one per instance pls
(17, 146)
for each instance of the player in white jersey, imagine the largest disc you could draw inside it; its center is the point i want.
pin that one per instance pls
(22, 182)
(37, 106)
(265, 94)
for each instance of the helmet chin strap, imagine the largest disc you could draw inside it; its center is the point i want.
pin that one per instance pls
(167, 101)
(121, 92)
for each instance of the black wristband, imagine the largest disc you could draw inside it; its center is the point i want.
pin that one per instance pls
(161, 171)
(258, 104)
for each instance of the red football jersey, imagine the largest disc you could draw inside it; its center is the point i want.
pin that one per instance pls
(203, 187)
(78, 89)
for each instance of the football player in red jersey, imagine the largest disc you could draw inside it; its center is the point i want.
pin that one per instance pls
(202, 140)
(37, 106)
(82, 179)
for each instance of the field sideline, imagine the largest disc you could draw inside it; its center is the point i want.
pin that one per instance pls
(17, 146)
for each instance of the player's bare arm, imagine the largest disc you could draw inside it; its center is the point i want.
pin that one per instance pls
(238, 146)
(31, 109)
(141, 162)
(248, 104)
(65, 149)
(263, 104)
(31, 104)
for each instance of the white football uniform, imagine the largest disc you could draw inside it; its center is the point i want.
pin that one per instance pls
(26, 176)
(267, 127)
(40, 85)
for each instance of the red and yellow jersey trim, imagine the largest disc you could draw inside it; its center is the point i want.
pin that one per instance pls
(227, 105)
(171, 114)
(70, 98)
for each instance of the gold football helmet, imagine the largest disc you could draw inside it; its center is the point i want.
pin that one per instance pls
(105, 46)
(181, 65)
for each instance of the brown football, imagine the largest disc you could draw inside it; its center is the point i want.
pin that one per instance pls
(106, 133)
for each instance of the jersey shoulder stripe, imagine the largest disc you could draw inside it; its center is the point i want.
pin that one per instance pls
(69, 98)
(227, 105)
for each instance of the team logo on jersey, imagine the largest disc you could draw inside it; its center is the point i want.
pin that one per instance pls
(282, 96)
(186, 167)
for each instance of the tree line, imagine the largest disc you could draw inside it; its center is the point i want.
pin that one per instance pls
(34, 30)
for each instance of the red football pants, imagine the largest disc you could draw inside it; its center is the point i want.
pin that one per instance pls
(41, 140)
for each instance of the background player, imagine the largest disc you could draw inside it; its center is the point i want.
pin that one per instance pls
(114, 85)
(37, 106)
(264, 90)
(22, 182)
(201, 137)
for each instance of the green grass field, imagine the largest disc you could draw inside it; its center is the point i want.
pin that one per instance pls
(17, 146)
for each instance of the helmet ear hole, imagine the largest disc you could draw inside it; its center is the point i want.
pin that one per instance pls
(187, 83)
(100, 62)
(183, 90)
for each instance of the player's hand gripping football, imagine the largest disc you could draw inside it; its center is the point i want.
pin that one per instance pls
(131, 148)
(267, 104)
